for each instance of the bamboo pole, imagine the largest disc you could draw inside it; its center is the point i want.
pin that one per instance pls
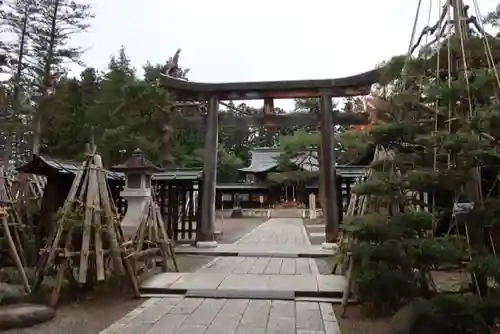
(89, 191)
(13, 250)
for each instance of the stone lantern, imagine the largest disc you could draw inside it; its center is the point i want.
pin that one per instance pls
(137, 190)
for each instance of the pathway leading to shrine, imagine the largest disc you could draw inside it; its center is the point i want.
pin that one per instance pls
(265, 292)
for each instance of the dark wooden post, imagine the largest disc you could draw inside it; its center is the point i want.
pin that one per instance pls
(330, 209)
(206, 236)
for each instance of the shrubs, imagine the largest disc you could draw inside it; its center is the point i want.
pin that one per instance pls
(393, 257)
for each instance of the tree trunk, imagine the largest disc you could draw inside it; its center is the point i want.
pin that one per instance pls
(37, 138)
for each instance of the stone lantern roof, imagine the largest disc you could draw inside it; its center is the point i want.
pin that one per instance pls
(137, 162)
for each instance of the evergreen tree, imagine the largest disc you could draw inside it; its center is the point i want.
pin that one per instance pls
(437, 134)
(55, 22)
(16, 16)
(77, 114)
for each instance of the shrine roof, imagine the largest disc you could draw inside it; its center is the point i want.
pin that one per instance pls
(264, 159)
(45, 165)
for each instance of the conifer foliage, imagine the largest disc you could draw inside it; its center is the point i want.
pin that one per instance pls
(432, 200)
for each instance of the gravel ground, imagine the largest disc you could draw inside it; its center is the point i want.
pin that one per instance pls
(101, 309)
(355, 322)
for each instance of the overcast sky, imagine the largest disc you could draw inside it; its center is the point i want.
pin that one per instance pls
(243, 40)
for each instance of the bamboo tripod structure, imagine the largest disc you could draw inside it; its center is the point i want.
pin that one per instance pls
(11, 228)
(27, 192)
(86, 234)
(150, 240)
(28, 187)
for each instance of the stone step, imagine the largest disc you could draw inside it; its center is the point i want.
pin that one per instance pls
(282, 251)
(331, 300)
(251, 286)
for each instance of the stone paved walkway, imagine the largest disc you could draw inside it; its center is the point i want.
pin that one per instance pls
(172, 314)
(249, 250)
(277, 233)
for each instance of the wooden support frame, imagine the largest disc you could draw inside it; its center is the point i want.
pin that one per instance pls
(87, 233)
(150, 240)
(11, 228)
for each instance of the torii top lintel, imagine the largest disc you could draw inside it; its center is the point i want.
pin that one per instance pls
(355, 85)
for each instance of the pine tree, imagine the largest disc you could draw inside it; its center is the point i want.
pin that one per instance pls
(55, 23)
(16, 17)
(438, 135)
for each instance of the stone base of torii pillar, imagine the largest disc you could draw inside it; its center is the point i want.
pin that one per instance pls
(207, 244)
(330, 245)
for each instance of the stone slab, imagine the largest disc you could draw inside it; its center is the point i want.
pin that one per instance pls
(184, 281)
(242, 294)
(211, 285)
(24, 315)
(221, 316)
(331, 282)
(316, 226)
(269, 250)
(302, 283)
(317, 234)
(268, 282)
(245, 282)
(198, 281)
(161, 280)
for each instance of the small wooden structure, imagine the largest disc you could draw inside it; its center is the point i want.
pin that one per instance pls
(87, 234)
(59, 175)
(11, 229)
(178, 192)
(28, 187)
(27, 193)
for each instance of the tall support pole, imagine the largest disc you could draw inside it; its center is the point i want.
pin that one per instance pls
(205, 237)
(327, 162)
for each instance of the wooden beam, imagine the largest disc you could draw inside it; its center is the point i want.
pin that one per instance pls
(359, 84)
(272, 121)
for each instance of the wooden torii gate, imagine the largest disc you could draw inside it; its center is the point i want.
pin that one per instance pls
(211, 94)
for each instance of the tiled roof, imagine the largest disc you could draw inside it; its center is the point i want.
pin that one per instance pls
(263, 160)
(43, 165)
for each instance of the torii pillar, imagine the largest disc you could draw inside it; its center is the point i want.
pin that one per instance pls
(205, 236)
(327, 170)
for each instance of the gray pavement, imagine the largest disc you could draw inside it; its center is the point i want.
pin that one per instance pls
(174, 314)
(194, 311)
(252, 251)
